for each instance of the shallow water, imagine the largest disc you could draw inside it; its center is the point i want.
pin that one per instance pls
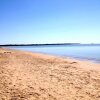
(74, 51)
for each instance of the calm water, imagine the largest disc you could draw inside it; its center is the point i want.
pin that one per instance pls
(79, 52)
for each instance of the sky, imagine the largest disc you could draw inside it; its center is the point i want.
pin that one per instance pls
(49, 21)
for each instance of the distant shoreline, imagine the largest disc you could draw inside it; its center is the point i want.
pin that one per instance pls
(73, 44)
(39, 44)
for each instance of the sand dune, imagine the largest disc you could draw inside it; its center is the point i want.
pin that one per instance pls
(32, 76)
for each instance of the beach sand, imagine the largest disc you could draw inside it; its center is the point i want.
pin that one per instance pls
(33, 76)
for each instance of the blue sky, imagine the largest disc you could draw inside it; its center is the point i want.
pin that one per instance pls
(49, 21)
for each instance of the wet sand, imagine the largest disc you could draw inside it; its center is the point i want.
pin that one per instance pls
(33, 76)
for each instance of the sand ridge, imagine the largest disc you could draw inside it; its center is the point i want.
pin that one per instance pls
(33, 76)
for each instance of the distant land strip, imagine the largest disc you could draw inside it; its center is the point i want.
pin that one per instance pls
(47, 44)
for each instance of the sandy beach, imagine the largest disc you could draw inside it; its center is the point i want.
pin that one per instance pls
(33, 76)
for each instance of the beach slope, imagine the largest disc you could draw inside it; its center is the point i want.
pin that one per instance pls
(33, 76)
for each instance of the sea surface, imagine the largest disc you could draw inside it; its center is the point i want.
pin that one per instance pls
(83, 52)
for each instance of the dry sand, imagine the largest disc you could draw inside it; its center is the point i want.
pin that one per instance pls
(32, 76)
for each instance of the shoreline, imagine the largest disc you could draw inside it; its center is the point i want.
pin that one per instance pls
(34, 76)
(93, 60)
(65, 57)
(70, 59)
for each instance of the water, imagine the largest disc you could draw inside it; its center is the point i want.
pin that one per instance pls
(79, 52)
